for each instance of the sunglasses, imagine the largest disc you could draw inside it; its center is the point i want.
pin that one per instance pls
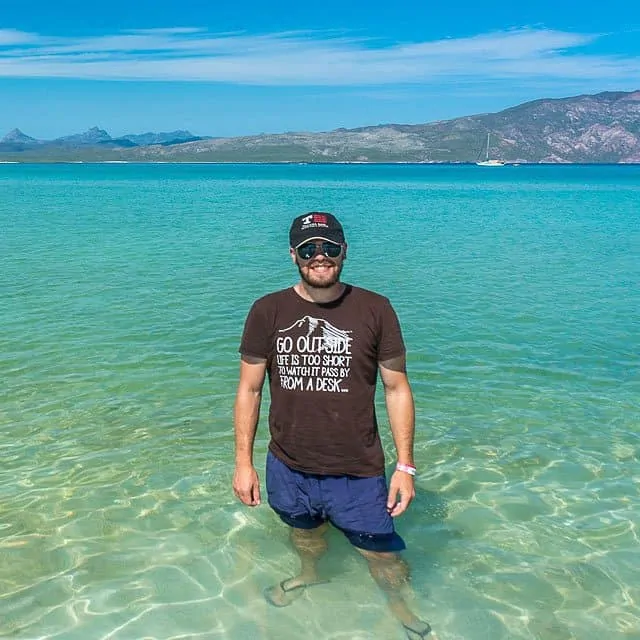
(308, 250)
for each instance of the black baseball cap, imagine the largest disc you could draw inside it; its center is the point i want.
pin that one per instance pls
(316, 224)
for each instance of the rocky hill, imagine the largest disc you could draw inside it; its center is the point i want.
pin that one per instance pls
(601, 128)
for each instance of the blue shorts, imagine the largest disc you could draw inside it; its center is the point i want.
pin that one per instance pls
(356, 506)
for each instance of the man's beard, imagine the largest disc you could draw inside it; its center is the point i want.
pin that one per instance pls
(321, 283)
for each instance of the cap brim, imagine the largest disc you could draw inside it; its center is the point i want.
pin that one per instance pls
(316, 238)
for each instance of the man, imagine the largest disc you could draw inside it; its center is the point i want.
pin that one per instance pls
(322, 344)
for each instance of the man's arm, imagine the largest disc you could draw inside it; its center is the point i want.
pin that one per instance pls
(246, 413)
(401, 412)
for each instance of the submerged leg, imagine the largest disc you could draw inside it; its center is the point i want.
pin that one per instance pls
(391, 574)
(310, 545)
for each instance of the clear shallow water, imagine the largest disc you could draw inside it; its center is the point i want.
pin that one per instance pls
(123, 290)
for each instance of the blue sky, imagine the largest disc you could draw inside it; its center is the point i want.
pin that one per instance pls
(236, 68)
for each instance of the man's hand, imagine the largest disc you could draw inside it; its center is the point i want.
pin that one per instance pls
(246, 485)
(401, 493)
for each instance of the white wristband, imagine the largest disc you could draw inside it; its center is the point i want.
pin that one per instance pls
(407, 468)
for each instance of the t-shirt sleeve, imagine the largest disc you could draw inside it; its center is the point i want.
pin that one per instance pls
(391, 344)
(255, 340)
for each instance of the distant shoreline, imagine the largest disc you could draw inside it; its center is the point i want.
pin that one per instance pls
(602, 131)
(315, 164)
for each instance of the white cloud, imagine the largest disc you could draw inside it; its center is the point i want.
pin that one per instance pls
(9, 37)
(309, 58)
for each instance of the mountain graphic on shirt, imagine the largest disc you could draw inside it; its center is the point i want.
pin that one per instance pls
(318, 327)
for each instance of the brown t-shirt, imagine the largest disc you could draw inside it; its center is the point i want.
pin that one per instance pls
(322, 363)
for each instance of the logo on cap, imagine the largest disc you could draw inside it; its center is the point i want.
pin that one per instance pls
(314, 219)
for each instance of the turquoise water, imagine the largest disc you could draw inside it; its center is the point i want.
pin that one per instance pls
(123, 291)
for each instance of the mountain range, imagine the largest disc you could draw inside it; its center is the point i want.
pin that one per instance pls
(17, 141)
(599, 128)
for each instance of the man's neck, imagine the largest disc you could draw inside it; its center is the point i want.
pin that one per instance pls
(319, 295)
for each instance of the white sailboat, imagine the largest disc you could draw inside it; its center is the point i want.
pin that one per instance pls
(490, 162)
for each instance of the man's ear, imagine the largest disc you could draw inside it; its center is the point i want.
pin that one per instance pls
(292, 253)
